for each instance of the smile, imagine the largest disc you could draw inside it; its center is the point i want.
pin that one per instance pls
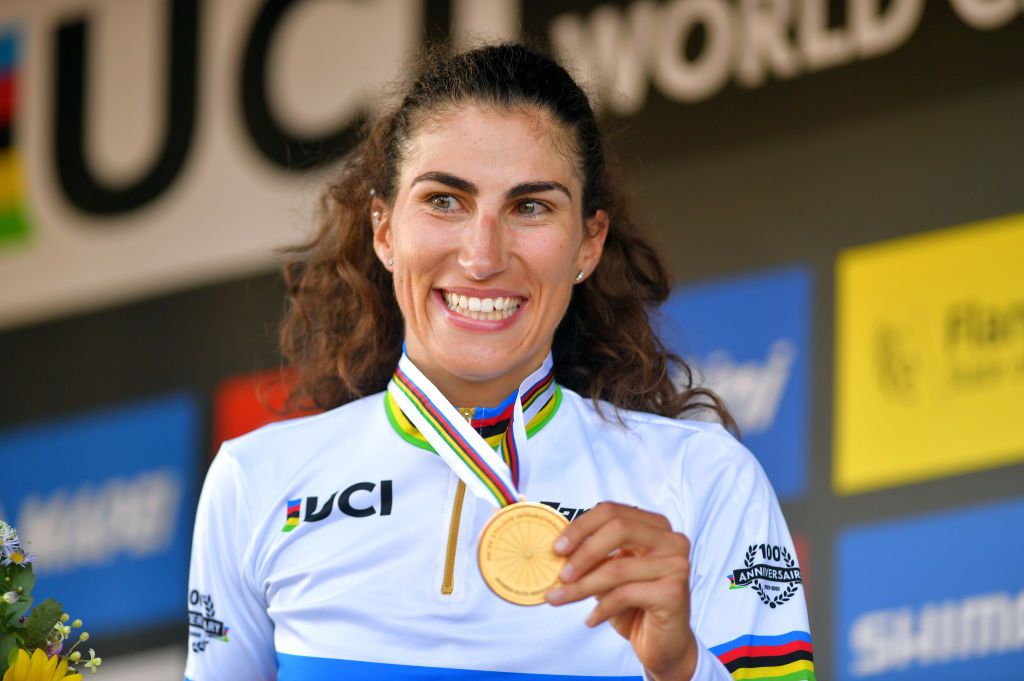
(482, 308)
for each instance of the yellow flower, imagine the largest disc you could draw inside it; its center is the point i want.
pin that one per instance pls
(39, 668)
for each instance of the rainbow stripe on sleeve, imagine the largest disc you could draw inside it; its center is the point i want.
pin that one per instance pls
(787, 657)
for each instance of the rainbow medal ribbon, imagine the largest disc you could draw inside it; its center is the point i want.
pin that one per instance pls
(514, 554)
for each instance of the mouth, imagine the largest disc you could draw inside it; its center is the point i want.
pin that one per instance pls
(485, 309)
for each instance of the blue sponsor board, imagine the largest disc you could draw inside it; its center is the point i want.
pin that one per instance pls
(106, 500)
(937, 598)
(749, 338)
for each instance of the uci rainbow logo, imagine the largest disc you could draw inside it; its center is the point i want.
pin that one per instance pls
(13, 225)
(292, 508)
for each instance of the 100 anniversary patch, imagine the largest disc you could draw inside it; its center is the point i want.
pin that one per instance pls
(203, 624)
(775, 579)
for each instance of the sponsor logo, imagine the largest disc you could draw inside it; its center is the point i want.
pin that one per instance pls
(95, 524)
(628, 49)
(775, 579)
(203, 624)
(569, 512)
(929, 367)
(757, 362)
(119, 513)
(955, 612)
(938, 632)
(351, 501)
(753, 390)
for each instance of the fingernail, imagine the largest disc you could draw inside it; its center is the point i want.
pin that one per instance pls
(561, 545)
(566, 573)
(555, 595)
(591, 619)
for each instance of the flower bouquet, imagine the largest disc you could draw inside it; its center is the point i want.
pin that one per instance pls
(32, 642)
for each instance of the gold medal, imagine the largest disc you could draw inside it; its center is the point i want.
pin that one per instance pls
(515, 555)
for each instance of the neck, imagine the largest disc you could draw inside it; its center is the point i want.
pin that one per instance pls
(465, 393)
(468, 392)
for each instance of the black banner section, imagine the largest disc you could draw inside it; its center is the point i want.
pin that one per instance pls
(284, 148)
(70, 122)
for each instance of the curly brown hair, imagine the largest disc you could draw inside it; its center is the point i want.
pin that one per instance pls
(343, 329)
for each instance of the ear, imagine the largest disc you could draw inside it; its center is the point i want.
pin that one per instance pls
(593, 242)
(382, 235)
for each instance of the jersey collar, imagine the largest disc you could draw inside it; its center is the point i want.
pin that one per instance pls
(540, 402)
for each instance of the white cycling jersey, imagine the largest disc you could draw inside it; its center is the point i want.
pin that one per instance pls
(341, 546)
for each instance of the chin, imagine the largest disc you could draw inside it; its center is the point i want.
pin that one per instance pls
(478, 368)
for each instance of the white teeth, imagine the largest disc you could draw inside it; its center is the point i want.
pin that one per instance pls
(482, 308)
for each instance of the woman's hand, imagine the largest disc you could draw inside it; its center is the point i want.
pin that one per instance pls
(639, 571)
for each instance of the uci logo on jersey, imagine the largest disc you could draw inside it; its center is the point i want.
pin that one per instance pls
(351, 501)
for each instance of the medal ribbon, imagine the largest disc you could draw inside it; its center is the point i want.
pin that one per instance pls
(486, 474)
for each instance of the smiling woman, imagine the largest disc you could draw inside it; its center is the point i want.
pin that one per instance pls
(473, 133)
(473, 315)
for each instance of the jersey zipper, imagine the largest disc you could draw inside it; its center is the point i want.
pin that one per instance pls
(448, 579)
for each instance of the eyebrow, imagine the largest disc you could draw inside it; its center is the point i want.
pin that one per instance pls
(447, 179)
(522, 189)
(537, 187)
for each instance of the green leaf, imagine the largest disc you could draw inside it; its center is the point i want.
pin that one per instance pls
(8, 644)
(40, 622)
(25, 579)
(19, 609)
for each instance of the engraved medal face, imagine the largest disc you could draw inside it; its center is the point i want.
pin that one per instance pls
(515, 555)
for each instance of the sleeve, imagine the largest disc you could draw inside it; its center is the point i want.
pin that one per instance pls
(231, 635)
(748, 607)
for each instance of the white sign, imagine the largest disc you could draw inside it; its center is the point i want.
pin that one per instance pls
(204, 203)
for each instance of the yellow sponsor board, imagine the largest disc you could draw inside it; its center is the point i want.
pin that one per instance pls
(929, 356)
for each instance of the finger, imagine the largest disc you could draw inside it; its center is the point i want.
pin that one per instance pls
(614, 573)
(621, 535)
(586, 524)
(669, 597)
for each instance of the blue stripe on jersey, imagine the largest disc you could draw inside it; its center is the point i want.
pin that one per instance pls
(295, 667)
(751, 640)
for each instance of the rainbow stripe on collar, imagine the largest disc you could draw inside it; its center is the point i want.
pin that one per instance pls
(492, 424)
(460, 444)
(446, 429)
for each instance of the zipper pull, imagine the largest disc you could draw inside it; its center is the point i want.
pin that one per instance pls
(467, 413)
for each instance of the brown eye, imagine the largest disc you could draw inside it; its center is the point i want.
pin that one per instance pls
(530, 208)
(444, 203)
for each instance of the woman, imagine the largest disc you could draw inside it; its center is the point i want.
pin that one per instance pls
(477, 228)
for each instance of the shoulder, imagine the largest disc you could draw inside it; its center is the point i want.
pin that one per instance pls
(278, 450)
(703, 444)
(305, 428)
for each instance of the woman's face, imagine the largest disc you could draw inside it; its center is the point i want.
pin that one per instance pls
(487, 237)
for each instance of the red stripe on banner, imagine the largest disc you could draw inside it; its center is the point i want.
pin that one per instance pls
(764, 651)
(484, 468)
(7, 93)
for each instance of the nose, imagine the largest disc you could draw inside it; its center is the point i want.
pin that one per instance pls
(482, 253)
